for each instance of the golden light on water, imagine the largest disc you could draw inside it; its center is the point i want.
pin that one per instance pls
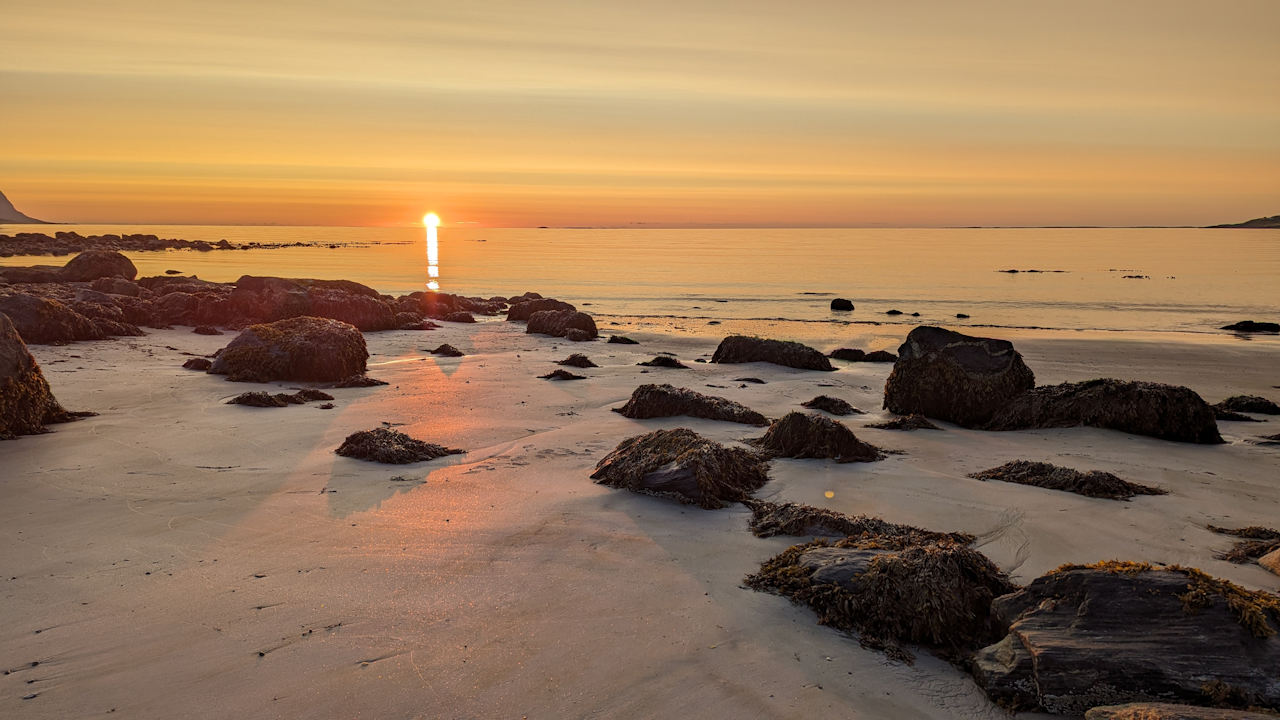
(432, 221)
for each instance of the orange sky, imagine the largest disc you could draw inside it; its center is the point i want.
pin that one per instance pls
(515, 113)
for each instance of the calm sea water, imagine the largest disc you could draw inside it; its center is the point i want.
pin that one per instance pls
(782, 281)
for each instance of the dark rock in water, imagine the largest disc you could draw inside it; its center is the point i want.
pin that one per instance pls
(303, 348)
(259, 399)
(558, 323)
(893, 312)
(41, 321)
(1255, 542)
(743, 349)
(1169, 412)
(841, 304)
(849, 354)
(447, 350)
(1168, 711)
(1093, 483)
(1221, 414)
(835, 406)
(950, 376)
(962, 316)
(577, 360)
(801, 435)
(206, 330)
(391, 447)
(1250, 404)
(1252, 326)
(356, 381)
(664, 361)
(1119, 632)
(893, 591)
(621, 340)
(682, 465)
(650, 401)
(906, 422)
(172, 272)
(880, 356)
(93, 264)
(202, 364)
(562, 375)
(752, 380)
(522, 311)
(26, 402)
(574, 334)
(770, 519)
(460, 316)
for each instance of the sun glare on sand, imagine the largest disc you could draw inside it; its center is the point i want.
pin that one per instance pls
(431, 220)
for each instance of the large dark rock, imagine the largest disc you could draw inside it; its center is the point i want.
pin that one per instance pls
(683, 465)
(650, 401)
(1249, 403)
(841, 304)
(559, 323)
(1253, 326)
(744, 349)
(801, 435)
(273, 298)
(388, 446)
(26, 403)
(304, 348)
(1083, 636)
(93, 264)
(522, 311)
(42, 321)
(1170, 412)
(950, 376)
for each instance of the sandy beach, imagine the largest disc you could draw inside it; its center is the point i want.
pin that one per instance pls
(180, 557)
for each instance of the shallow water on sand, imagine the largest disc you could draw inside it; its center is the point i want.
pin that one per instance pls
(782, 280)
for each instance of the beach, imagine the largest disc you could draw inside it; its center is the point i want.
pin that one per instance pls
(178, 556)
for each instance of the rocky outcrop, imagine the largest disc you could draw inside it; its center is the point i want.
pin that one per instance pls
(303, 348)
(744, 349)
(1115, 632)
(70, 242)
(833, 405)
(93, 264)
(1251, 326)
(26, 402)
(801, 435)
(1169, 412)
(959, 378)
(1093, 483)
(1249, 404)
(264, 399)
(682, 465)
(42, 321)
(522, 311)
(561, 323)
(650, 401)
(388, 446)
(272, 298)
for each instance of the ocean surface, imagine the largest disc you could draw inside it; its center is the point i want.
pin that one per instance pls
(781, 281)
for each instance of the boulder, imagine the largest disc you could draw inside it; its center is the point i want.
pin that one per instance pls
(1169, 412)
(26, 402)
(117, 286)
(1093, 483)
(303, 348)
(273, 298)
(835, 406)
(41, 321)
(460, 316)
(1170, 711)
(1249, 404)
(650, 401)
(388, 446)
(201, 364)
(880, 356)
(558, 323)
(1253, 326)
(841, 304)
(682, 465)
(93, 264)
(744, 349)
(849, 354)
(577, 360)
(522, 311)
(801, 435)
(959, 378)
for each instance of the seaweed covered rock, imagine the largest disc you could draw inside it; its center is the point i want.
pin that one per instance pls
(893, 591)
(804, 435)
(303, 348)
(621, 340)
(1093, 483)
(664, 361)
(835, 406)
(946, 375)
(562, 375)
(1250, 404)
(558, 323)
(683, 465)
(849, 354)
(1119, 632)
(522, 311)
(907, 423)
(359, 381)
(42, 321)
(388, 446)
(577, 360)
(26, 402)
(1255, 543)
(93, 264)
(260, 399)
(744, 349)
(1169, 412)
(447, 350)
(1170, 711)
(769, 519)
(650, 401)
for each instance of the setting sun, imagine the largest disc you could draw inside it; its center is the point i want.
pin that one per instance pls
(431, 220)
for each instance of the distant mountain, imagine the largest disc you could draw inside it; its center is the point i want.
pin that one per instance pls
(1266, 222)
(10, 214)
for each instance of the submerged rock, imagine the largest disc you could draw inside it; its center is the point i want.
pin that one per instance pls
(303, 348)
(801, 435)
(577, 360)
(664, 361)
(835, 406)
(907, 423)
(959, 378)
(681, 464)
(559, 323)
(650, 401)
(769, 519)
(1249, 404)
(1221, 414)
(743, 349)
(391, 447)
(26, 402)
(1093, 483)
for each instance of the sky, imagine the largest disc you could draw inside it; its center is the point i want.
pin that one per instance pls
(512, 113)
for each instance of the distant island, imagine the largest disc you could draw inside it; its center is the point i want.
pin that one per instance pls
(10, 215)
(1264, 222)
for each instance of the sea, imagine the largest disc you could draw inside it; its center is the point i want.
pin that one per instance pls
(1181, 281)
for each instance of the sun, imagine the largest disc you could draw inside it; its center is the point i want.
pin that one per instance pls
(431, 220)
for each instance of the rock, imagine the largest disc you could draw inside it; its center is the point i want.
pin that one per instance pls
(743, 349)
(880, 356)
(1169, 711)
(303, 348)
(801, 435)
(835, 406)
(359, 381)
(26, 402)
(1271, 561)
(962, 316)
(1169, 412)
(325, 406)
(93, 264)
(562, 375)
(578, 335)
(1252, 326)
(32, 274)
(310, 394)
(1118, 632)
(752, 380)
(577, 360)
(1249, 404)
(558, 323)
(950, 376)
(770, 519)
(1093, 483)
(117, 286)
(907, 422)
(522, 311)
(41, 321)
(684, 466)
(447, 350)
(461, 316)
(201, 364)
(893, 312)
(841, 304)
(650, 401)
(172, 272)
(850, 354)
(259, 399)
(1222, 414)
(391, 447)
(273, 298)
(664, 361)
(621, 340)
(206, 330)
